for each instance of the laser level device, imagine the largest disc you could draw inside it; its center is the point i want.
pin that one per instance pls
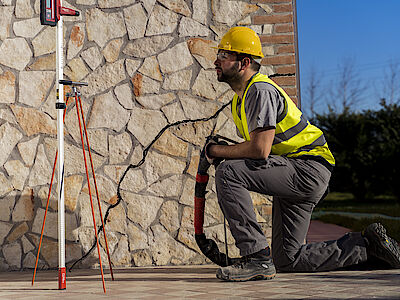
(51, 10)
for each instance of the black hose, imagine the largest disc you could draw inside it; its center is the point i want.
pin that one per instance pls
(131, 166)
(145, 151)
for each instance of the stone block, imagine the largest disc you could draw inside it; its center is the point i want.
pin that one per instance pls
(112, 50)
(156, 101)
(158, 165)
(136, 21)
(104, 78)
(92, 57)
(18, 232)
(161, 21)
(145, 124)
(6, 13)
(137, 238)
(7, 87)
(178, 6)
(167, 59)
(23, 9)
(72, 188)
(27, 28)
(6, 207)
(33, 121)
(4, 230)
(108, 113)
(169, 215)
(121, 255)
(169, 187)
(151, 68)
(207, 86)
(28, 150)
(15, 53)
(124, 95)
(173, 112)
(24, 209)
(41, 170)
(5, 185)
(34, 87)
(76, 40)
(203, 51)
(147, 46)
(178, 81)
(229, 12)
(17, 172)
(44, 42)
(120, 147)
(133, 181)
(169, 144)
(142, 258)
(12, 253)
(142, 209)
(102, 27)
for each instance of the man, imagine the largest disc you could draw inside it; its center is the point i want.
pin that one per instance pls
(283, 155)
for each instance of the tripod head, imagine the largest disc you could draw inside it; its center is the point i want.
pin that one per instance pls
(72, 83)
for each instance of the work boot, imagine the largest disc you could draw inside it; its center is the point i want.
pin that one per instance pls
(381, 246)
(251, 267)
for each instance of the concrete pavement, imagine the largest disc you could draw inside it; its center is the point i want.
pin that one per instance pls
(199, 282)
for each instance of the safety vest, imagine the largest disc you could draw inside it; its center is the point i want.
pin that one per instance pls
(294, 135)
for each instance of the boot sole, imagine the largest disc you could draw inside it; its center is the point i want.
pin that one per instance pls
(389, 257)
(255, 276)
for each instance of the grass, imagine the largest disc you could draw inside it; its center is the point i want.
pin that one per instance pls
(345, 202)
(392, 226)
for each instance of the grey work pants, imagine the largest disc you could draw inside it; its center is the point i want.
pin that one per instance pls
(296, 186)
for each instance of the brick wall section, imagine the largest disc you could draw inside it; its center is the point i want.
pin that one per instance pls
(282, 40)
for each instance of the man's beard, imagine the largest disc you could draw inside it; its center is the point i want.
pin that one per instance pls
(231, 75)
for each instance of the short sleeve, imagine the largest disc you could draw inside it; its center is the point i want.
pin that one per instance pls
(263, 104)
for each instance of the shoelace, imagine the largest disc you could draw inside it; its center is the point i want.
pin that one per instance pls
(240, 264)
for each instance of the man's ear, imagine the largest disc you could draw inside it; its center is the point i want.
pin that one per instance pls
(246, 62)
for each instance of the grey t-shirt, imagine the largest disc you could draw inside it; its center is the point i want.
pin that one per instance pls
(263, 105)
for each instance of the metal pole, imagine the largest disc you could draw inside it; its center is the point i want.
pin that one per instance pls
(296, 47)
(226, 244)
(60, 105)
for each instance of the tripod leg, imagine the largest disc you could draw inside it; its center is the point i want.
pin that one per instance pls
(44, 218)
(47, 207)
(95, 185)
(90, 193)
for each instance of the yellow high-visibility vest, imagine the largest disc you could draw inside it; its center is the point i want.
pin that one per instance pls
(294, 135)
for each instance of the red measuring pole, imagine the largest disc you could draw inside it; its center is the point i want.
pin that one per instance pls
(51, 12)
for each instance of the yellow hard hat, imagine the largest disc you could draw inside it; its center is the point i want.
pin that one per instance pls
(243, 40)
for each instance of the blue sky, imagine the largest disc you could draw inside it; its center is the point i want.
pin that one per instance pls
(364, 31)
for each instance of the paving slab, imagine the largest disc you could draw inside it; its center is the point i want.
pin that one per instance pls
(199, 282)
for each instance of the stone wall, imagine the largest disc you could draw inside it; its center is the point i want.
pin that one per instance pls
(148, 64)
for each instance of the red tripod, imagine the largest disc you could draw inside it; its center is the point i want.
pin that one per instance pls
(77, 95)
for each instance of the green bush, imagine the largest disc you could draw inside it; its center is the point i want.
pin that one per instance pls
(366, 146)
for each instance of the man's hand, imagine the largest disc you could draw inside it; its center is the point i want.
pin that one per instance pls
(211, 159)
(258, 147)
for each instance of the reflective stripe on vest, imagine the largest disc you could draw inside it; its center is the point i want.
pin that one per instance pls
(294, 135)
